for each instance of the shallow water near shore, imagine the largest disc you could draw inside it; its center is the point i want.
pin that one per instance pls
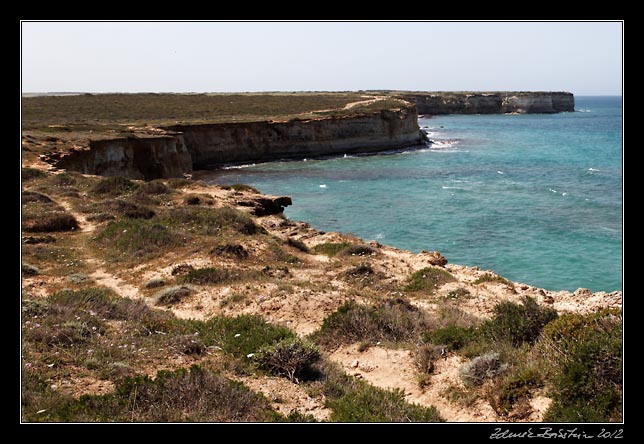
(536, 198)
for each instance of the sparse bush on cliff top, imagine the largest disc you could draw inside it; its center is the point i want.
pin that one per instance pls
(518, 323)
(32, 173)
(173, 396)
(493, 278)
(244, 187)
(354, 400)
(137, 239)
(211, 221)
(428, 279)
(584, 356)
(114, 186)
(288, 357)
(394, 320)
(453, 337)
(240, 336)
(331, 248)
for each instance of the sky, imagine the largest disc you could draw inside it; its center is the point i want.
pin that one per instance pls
(584, 58)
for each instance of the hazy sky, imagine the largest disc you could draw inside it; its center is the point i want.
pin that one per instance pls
(580, 57)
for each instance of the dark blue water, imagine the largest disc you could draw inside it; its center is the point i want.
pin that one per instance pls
(536, 198)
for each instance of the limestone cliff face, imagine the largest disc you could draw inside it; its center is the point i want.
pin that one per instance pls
(492, 103)
(262, 141)
(201, 146)
(137, 158)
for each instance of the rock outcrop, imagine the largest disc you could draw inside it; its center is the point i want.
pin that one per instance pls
(491, 103)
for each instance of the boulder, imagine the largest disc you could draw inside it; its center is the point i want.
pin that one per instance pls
(266, 205)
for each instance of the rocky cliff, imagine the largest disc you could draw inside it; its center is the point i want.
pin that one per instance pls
(137, 158)
(491, 103)
(185, 147)
(262, 141)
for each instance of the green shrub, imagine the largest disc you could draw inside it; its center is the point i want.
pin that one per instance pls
(288, 357)
(459, 293)
(243, 187)
(513, 388)
(171, 295)
(453, 337)
(331, 248)
(353, 400)
(114, 186)
(428, 279)
(137, 238)
(34, 197)
(241, 335)
(49, 222)
(209, 276)
(518, 323)
(32, 173)
(489, 277)
(212, 221)
(476, 371)
(368, 404)
(394, 320)
(196, 395)
(586, 353)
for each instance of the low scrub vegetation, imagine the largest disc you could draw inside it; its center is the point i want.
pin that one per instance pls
(114, 186)
(213, 276)
(129, 239)
(394, 320)
(493, 278)
(289, 357)
(482, 368)
(518, 323)
(353, 400)
(428, 279)
(211, 221)
(584, 353)
(172, 295)
(331, 248)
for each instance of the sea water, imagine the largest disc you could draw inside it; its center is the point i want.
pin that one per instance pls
(536, 198)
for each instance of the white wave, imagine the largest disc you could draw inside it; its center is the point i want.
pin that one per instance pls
(379, 236)
(438, 144)
(593, 169)
(238, 167)
(447, 188)
(554, 191)
(584, 111)
(563, 194)
(500, 172)
(323, 186)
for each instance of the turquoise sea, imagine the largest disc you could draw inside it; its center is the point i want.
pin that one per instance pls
(536, 198)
